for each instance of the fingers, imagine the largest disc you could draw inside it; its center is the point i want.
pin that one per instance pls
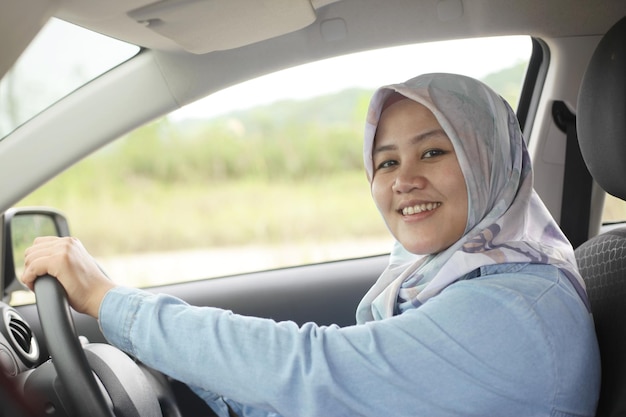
(67, 260)
(45, 256)
(33, 270)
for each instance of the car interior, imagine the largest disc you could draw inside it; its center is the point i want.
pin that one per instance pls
(571, 108)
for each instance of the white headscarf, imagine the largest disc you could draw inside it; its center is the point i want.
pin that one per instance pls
(507, 222)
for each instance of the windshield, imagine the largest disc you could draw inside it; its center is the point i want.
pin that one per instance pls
(62, 58)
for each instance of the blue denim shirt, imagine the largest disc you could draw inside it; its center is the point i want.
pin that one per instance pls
(516, 340)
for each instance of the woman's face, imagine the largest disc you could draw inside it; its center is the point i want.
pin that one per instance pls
(417, 184)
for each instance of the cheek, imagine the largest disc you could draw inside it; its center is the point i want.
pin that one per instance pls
(380, 197)
(459, 190)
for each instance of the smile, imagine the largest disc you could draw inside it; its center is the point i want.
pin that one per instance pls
(419, 208)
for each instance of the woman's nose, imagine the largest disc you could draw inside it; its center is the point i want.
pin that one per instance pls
(408, 179)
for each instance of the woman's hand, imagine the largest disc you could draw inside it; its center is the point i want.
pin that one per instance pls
(66, 259)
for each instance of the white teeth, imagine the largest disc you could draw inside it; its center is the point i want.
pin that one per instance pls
(418, 208)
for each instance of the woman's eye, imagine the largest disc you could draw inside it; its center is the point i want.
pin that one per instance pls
(431, 153)
(387, 164)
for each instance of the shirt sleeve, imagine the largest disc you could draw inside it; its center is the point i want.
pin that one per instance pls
(469, 351)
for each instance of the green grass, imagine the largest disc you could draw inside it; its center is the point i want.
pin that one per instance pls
(144, 216)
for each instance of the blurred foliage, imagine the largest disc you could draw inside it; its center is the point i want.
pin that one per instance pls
(286, 140)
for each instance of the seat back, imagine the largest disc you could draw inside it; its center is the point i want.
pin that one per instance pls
(601, 125)
(602, 263)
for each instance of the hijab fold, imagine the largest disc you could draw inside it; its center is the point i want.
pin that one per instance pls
(507, 222)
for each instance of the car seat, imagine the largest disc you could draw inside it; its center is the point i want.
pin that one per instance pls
(601, 124)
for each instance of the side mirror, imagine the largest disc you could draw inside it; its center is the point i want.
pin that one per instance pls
(21, 227)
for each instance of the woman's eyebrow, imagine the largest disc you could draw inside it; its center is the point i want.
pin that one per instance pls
(384, 148)
(415, 140)
(430, 133)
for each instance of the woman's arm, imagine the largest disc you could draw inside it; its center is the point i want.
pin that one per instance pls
(473, 350)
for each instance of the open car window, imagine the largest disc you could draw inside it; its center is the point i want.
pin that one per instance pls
(263, 175)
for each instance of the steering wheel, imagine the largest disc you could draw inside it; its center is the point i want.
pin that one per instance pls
(129, 394)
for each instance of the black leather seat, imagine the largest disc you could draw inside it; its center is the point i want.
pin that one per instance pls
(601, 124)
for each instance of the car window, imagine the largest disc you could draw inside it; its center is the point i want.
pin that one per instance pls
(60, 59)
(614, 210)
(220, 188)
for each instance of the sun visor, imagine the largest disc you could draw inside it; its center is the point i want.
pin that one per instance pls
(201, 26)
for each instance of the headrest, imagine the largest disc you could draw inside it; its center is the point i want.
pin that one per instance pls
(601, 113)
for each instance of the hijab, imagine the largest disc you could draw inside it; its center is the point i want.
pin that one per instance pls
(506, 220)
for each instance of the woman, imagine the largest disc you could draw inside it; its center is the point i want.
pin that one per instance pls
(481, 311)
